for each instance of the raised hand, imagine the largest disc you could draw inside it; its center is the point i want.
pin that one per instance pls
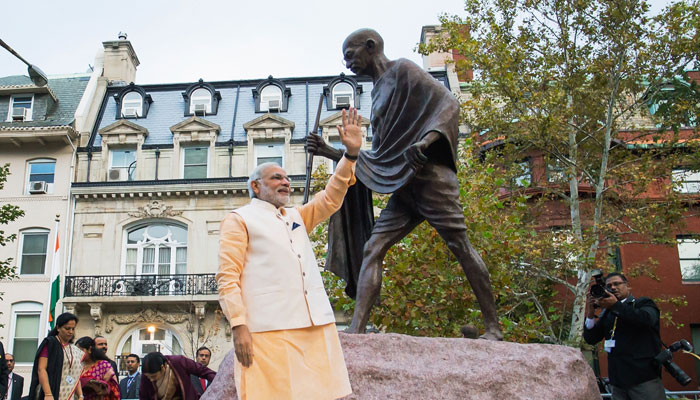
(351, 132)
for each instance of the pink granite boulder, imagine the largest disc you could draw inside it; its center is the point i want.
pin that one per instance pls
(393, 366)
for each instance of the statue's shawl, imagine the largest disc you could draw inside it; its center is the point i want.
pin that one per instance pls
(407, 104)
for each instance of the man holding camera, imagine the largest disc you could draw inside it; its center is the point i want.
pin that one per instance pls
(630, 328)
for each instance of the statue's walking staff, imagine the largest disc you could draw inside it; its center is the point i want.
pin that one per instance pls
(310, 159)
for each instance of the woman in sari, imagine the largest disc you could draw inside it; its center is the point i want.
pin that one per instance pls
(57, 366)
(98, 379)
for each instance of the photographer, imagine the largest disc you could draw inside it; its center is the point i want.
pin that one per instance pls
(630, 328)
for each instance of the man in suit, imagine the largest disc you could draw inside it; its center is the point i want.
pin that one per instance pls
(15, 383)
(101, 343)
(630, 328)
(203, 357)
(129, 386)
(4, 373)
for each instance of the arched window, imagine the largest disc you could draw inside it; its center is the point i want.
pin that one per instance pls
(132, 101)
(152, 338)
(201, 101)
(132, 105)
(271, 98)
(201, 98)
(343, 95)
(271, 95)
(157, 248)
(25, 328)
(342, 92)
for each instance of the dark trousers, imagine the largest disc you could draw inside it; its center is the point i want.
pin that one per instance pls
(649, 390)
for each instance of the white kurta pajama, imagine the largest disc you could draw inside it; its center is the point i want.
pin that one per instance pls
(269, 280)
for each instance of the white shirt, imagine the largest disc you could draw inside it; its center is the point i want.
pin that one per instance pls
(9, 385)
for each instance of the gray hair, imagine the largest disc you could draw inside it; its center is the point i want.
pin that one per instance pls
(257, 174)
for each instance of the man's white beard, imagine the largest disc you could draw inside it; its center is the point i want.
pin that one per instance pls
(273, 197)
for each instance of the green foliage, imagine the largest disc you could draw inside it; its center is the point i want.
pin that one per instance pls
(8, 213)
(571, 83)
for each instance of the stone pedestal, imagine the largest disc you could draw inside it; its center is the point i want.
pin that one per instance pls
(392, 366)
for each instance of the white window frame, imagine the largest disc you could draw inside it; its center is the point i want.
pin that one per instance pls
(265, 98)
(126, 168)
(158, 243)
(556, 171)
(269, 150)
(24, 308)
(349, 92)
(21, 252)
(336, 144)
(138, 104)
(526, 176)
(198, 100)
(682, 241)
(682, 184)
(182, 157)
(49, 186)
(12, 102)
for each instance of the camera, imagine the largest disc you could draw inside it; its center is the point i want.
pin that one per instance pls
(666, 356)
(598, 290)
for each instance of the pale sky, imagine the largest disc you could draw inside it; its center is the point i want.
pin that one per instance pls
(182, 41)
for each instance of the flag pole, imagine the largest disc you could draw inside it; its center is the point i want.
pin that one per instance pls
(55, 281)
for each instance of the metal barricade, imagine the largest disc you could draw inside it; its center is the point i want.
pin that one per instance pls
(680, 395)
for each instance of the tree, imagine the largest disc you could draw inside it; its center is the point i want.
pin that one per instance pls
(8, 213)
(571, 82)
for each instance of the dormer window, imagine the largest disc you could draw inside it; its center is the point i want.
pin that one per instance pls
(201, 102)
(270, 98)
(21, 108)
(201, 99)
(343, 95)
(271, 95)
(342, 92)
(132, 105)
(132, 102)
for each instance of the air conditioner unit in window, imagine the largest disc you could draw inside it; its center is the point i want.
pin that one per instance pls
(130, 112)
(200, 109)
(20, 114)
(342, 101)
(38, 187)
(116, 174)
(273, 105)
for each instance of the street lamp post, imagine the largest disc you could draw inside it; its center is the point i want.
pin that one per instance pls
(35, 74)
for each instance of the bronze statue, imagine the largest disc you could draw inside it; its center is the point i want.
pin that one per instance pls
(414, 154)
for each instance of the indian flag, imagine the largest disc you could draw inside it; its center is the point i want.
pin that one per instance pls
(55, 283)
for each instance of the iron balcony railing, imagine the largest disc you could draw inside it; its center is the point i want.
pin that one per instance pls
(140, 285)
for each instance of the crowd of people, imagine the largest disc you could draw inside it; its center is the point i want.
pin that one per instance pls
(68, 369)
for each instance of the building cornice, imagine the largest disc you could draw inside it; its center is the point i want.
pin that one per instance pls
(170, 187)
(19, 89)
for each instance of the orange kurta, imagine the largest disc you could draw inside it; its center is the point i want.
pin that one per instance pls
(305, 363)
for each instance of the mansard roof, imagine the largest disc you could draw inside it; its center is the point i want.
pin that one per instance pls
(65, 92)
(236, 109)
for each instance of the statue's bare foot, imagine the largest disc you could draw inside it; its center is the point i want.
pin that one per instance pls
(495, 335)
(469, 331)
(354, 329)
